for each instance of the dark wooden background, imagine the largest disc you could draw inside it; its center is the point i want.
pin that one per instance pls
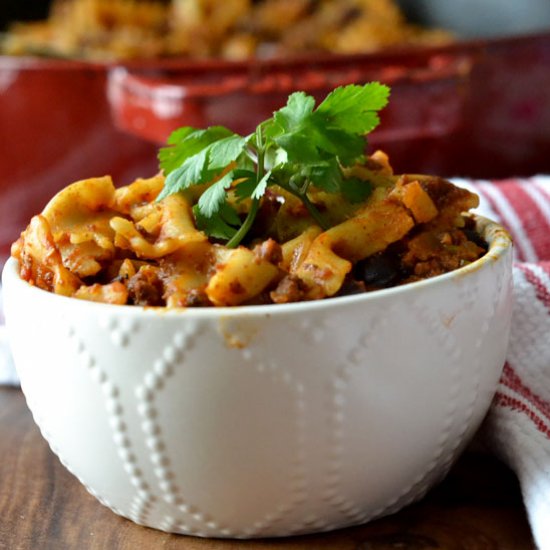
(43, 507)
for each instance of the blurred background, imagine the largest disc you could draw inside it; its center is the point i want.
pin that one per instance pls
(234, 29)
(240, 28)
(30, 10)
(92, 87)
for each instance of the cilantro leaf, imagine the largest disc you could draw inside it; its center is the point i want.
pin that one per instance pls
(190, 173)
(297, 110)
(204, 166)
(251, 189)
(212, 199)
(353, 108)
(225, 151)
(335, 128)
(333, 142)
(224, 226)
(356, 190)
(245, 187)
(261, 186)
(187, 142)
(180, 134)
(327, 176)
(229, 214)
(300, 147)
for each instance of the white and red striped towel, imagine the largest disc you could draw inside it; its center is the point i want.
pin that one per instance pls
(518, 425)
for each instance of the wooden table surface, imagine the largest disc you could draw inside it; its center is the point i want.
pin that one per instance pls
(43, 507)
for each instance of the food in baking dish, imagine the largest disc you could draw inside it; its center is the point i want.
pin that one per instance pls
(232, 29)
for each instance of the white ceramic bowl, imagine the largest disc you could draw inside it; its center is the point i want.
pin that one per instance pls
(265, 420)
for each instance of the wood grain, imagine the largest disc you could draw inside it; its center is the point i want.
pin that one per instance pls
(44, 507)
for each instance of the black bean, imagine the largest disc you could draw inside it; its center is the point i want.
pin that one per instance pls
(378, 270)
(475, 237)
(351, 286)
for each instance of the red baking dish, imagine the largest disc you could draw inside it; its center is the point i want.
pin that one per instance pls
(475, 108)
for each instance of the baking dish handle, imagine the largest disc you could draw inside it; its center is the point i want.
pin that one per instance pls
(427, 99)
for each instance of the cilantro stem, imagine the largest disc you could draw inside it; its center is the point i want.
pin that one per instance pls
(245, 227)
(302, 195)
(260, 171)
(313, 212)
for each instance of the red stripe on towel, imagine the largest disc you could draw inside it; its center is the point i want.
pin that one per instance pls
(511, 380)
(545, 266)
(535, 224)
(504, 216)
(542, 290)
(517, 405)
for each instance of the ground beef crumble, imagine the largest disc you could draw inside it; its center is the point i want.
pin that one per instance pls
(145, 288)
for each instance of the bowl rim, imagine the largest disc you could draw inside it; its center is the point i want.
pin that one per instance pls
(498, 238)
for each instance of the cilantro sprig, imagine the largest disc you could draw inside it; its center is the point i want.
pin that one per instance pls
(300, 148)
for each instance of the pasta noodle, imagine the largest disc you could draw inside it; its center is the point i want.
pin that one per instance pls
(123, 246)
